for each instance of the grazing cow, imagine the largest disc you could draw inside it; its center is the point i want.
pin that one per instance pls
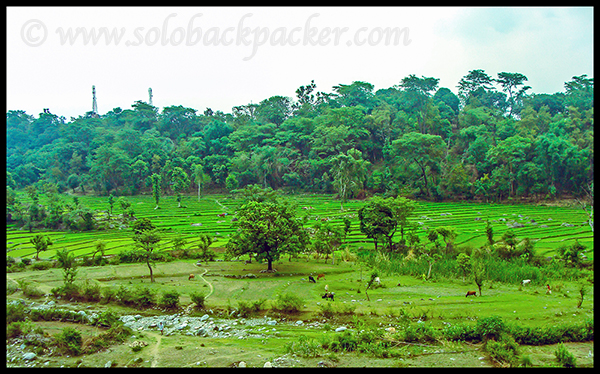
(311, 279)
(192, 276)
(471, 293)
(222, 214)
(526, 281)
(328, 295)
(319, 276)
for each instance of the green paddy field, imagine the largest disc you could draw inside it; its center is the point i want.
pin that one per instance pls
(549, 226)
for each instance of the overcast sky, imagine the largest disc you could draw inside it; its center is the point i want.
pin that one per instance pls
(211, 57)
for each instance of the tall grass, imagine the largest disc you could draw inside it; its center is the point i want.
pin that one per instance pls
(511, 271)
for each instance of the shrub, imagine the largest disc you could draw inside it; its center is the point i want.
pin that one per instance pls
(460, 332)
(124, 295)
(304, 347)
(16, 329)
(69, 341)
(420, 332)
(170, 299)
(145, 297)
(490, 327)
(42, 265)
(108, 294)
(107, 318)
(506, 349)
(198, 299)
(29, 290)
(15, 311)
(288, 303)
(117, 333)
(90, 291)
(564, 357)
(245, 309)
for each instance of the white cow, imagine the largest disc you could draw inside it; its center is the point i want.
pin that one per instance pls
(526, 281)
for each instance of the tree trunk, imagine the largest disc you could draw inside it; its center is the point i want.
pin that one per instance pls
(150, 267)
(270, 265)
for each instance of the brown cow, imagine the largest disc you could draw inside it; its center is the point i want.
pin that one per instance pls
(471, 293)
(319, 276)
(192, 276)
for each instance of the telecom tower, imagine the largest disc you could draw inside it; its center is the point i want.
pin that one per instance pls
(150, 96)
(94, 103)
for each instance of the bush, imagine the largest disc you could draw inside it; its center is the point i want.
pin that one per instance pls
(16, 329)
(30, 290)
(139, 298)
(420, 332)
(198, 299)
(246, 309)
(545, 335)
(460, 332)
(90, 291)
(564, 357)
(170, 299)
(107, 318)
(145, 297)
(288, 303)
(506, 349)
(15, 312)
(108, 294)
(304, 347)
(42, 265)
(490, 327)
(69, 341)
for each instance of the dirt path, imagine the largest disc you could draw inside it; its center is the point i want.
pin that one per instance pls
(210, 286)
(155, 349)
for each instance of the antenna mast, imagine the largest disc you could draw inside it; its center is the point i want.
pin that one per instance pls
(94, 103)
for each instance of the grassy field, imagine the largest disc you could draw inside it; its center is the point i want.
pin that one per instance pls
(548, 226)
(400, 298)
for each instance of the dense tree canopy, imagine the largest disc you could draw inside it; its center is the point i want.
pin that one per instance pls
(496, 139)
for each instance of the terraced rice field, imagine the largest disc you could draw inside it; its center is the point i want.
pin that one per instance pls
(550, 227)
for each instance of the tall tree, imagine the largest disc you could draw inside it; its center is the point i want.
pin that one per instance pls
(200, 178)
(146, 237)
(156, 179)
(349, 173)
(181, 182)
(511, 83)
(419, 91)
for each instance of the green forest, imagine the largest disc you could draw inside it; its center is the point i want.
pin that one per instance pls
(495, 141)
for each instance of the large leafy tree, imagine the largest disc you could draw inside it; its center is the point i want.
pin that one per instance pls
(419, 90)
(513, 85)
(267, 230)
(377, 221)
(426, 151)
